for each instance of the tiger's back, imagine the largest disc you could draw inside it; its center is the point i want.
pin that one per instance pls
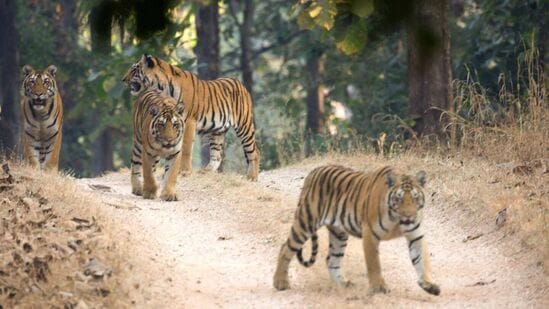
(42, 118)
(211, 108)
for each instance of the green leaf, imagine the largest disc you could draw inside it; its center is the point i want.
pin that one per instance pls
(109, 83)
(362, 8)
(93, 75)
(320, 13)
(354, 38)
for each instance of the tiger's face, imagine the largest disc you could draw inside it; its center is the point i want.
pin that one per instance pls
(39, 87)
(167, 124)
(405, 197)
(140, 75)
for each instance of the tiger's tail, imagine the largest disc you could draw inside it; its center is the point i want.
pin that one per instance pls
(314, 252)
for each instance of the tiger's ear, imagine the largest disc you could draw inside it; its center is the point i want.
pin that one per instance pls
(52, 70)
(180, 108)
(153, 110)
(27, 70)
(148, 60)
(421, 178)
(390, 178)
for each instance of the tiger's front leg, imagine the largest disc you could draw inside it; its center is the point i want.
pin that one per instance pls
(187, 147)
(149, 182)
(31, 155)
(137, 185)
(371, 254)
(419, 254)
(53, 161)
(170, 177)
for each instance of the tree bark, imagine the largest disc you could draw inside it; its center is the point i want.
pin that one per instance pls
(9, 77)
(207, 54)
(429, 66)
(245, 45)
(315, 98)
(100, 20)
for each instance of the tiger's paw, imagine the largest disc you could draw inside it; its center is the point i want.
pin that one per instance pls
(379, 288)
(343, 284)
(168, 197)
(252, 177)
(430, 288)
(137, 191)
(281, 284)
(149, 195)
(185, 173)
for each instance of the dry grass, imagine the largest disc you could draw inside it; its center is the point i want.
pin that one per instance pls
(473, 191)
(56, 248)
(512, 126)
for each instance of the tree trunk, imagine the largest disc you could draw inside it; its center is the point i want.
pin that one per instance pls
(101, 26)
(315, 98)
(245, 45)
(429, 66)
(207, 54)
(9, 77)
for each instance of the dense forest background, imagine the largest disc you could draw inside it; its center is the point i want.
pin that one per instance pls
(325, 75)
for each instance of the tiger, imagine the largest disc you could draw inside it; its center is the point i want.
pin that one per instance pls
(211, 107)
(42, 118)
(158, 129)
(375, 206)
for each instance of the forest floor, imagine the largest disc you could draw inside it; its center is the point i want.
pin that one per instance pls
(217, 246)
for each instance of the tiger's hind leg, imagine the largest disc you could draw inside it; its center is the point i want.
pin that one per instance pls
(217, 141)
(294, 244)
(338, 243)
(247, 138)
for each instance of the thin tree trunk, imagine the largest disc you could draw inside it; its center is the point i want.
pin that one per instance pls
(101, 27)
(9, 77)
(207, 53)
(429, 66)
(245, 45)
(315, 98)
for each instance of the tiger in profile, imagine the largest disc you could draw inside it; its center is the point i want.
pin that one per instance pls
(380, 205)
(42, 118)
(158, 130)
(211, 107)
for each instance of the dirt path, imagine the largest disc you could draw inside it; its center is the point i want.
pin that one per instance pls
(217, 247)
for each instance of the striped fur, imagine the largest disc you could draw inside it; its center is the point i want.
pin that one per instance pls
(211, 108)
(375, 206)
(158, 129)
(42, 118)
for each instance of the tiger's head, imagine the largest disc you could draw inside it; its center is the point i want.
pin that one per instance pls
(141, 74)
(405, 197)
(166, 122)
(39, 86)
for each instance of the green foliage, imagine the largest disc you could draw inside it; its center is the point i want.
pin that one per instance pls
(345, 19)
(370, 79)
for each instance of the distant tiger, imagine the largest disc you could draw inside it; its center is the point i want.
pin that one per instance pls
(158, 131)
(211, 107)
(375, 206)
(42, 118)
